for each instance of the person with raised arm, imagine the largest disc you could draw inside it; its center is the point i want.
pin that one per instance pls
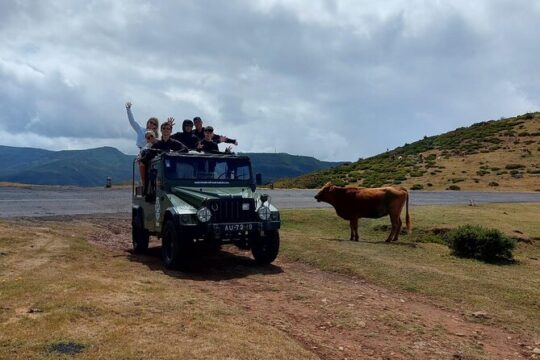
(151, 124)
(207, 144)
(199, 132)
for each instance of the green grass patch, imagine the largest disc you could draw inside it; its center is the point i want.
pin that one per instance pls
(423, 263)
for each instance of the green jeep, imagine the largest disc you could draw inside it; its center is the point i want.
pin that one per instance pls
(203, 200)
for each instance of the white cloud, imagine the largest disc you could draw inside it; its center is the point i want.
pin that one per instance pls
(335, 79)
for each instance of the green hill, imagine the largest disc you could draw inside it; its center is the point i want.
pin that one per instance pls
(274, 166)
(67, 167)
(92, 166)
(498, 154)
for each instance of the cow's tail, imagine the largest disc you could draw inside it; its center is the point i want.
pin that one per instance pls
(407, 217)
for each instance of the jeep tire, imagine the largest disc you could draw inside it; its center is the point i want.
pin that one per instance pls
(139, 235)
(174, 248)
(265, 248)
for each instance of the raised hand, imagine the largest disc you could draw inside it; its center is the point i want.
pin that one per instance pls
(170, 121)
(128, 105)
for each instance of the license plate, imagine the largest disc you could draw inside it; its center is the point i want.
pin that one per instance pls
(238, 227)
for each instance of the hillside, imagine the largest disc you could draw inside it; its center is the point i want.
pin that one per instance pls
(92, 166)
(274, 166)
(492, 155)
(67, 167)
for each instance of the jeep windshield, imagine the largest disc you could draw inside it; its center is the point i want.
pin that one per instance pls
(209, 171)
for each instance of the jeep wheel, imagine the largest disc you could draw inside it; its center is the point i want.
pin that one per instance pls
(265, 248)
(139, 235)
(174, 249)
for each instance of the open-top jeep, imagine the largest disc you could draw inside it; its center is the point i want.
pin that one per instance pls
(196, 199)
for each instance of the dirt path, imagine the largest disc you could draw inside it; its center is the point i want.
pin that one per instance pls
(333, 316)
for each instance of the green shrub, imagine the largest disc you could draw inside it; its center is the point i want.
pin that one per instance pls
(493, 183)
(453, 187)
(482, 172)
(471, 241)
(429, 184)
(417, 187)
(514, 166)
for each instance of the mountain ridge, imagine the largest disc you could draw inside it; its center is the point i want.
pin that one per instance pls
(491, 155)
(90, 167)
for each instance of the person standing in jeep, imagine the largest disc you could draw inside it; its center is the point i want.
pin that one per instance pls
(167, 143)
(207, 144)
(187, 137)
(199, 133)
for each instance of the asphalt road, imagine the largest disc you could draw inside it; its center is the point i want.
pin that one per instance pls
(15, 202)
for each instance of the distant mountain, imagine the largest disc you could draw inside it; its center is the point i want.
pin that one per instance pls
(273, 166)
(92, 166)
(67, 167)
(491, 155)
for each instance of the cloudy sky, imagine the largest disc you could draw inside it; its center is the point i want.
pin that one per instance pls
(337, 80)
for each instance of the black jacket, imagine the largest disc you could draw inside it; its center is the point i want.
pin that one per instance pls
(215, 138)
(209, 146)
(188, 139)
(170, 145)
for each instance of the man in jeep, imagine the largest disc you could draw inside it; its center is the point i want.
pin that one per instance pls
(167, 143)
(207, 144)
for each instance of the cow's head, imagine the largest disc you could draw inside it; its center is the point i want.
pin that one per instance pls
(322, 195)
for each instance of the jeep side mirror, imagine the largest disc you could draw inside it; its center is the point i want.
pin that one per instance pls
(258, 179)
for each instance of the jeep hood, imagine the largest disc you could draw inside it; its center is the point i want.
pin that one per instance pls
(196, 196)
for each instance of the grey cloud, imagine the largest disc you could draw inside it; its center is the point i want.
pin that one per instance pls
(268, 78)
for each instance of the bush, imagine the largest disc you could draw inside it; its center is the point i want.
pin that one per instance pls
(453, 187)
(514, 166)
(493, 183)
(482, 172)
(476, 242)
(417, 187)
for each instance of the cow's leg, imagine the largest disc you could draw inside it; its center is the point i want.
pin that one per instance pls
(351, 225)
(398, 229)
(354, 229)
(392, 232)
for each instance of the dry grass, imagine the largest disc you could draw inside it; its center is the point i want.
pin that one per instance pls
(510, 293)
(57, 288)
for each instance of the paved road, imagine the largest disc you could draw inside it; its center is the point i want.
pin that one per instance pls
(70, 201)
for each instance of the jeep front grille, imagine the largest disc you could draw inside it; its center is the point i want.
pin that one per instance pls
(230, 210)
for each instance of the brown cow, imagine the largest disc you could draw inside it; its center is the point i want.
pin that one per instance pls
(352, 203)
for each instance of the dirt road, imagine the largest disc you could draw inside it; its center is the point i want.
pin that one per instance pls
(333, 316)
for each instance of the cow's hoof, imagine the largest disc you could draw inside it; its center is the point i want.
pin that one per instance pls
(387, 240)
(356, 239)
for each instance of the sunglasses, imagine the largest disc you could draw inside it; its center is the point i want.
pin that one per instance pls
(167, 128)
(209, 131)
(149, 137)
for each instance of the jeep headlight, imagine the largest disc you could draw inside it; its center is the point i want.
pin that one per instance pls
(204, 214)
(264, 213)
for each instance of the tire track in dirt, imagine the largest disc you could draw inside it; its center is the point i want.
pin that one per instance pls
(332, 315)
